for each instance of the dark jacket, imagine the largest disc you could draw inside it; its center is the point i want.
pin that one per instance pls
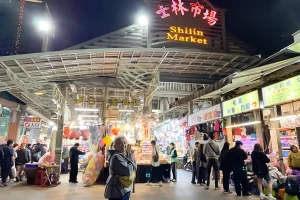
(237, 157)
(74, 154)
(259, 160)
(224, 160)
(23, 157)
(119, 165)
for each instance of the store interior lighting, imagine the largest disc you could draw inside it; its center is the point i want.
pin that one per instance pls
(283, 117)
(244, 124)
(90, 116)
(131, 111)
(87, 109)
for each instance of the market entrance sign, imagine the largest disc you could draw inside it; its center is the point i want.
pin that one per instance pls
(241, 104)
(281, 92)
(186, 35)
(178, 7)
(202, 116)
(32, 122)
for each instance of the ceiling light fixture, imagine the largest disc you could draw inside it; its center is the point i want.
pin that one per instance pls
(283, 117)
(87, 109)
(244, 124)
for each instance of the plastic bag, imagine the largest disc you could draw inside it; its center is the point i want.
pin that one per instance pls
(291, 187)
(87, 157)
(93, 170)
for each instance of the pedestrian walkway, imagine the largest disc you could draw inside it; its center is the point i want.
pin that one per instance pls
(182, 190)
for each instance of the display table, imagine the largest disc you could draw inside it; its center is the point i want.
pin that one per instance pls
(143, 170)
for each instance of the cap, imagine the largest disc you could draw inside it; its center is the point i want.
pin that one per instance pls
(237, 143)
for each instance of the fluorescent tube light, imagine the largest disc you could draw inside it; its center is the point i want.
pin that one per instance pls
(283, 117)
(91, 116)
(126, 111)
(87, 109)
(244, 124)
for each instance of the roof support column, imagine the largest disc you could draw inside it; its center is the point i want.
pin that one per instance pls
(15, 123)
(191, 107)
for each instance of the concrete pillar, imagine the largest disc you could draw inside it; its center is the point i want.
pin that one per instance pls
(229, 132)
(15, 123)
(258, 127)
(58, 142)
(104, 105)
(191, 107)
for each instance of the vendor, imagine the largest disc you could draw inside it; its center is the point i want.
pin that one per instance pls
(74, 157)
(294, 158)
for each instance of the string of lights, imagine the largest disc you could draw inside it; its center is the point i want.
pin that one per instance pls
(19, 29)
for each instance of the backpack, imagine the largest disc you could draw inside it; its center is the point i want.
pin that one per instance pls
(291, 187)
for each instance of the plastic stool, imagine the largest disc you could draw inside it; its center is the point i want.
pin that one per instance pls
(41, 177)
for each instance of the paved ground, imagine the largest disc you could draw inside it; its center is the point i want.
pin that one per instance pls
(182, 190)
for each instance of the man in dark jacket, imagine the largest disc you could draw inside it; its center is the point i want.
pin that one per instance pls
(8, 161)
(237, 157)
(21, 160)
(74, 157)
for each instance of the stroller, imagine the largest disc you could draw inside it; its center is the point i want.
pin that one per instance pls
(187, 163)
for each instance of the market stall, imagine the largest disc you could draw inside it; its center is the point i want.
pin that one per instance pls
(243, 121)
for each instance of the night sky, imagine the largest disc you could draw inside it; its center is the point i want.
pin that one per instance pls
(267, 25)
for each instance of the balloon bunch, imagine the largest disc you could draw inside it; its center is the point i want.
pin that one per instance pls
(76, 133)
(107, 140)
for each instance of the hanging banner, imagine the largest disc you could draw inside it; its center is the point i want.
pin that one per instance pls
(282, 92)
(206, 115)
(32, 122)
(241, 104)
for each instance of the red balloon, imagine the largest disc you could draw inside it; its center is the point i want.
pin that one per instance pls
(75, 134)
(66, 131)
(85, 134)
(115, 131)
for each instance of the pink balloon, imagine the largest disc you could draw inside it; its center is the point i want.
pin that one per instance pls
(101, 144)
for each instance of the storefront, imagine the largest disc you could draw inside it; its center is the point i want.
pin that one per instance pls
(203, 122)
(243, 122)
(282, 114)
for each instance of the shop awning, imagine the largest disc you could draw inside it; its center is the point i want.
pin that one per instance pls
(237, 80)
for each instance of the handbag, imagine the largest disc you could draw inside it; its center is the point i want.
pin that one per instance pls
(127, 181)
(155, 157)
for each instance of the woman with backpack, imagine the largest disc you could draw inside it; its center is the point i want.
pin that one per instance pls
(156, 176)
(261, 170)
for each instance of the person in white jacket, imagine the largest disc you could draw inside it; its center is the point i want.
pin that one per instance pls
(156, 175)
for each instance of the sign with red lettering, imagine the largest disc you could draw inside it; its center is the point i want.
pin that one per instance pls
(179, 8)
(32, 122)
(203, 116)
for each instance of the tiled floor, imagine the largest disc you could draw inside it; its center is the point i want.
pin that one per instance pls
(182, 190)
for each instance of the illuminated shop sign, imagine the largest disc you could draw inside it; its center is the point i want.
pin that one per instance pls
(241, 104)
(179, 8)
(281, 92)
(203, 116)
(186, 35)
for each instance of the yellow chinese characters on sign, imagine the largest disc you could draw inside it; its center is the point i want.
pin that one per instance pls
(241, 104)
(186, 35)
(281, 92)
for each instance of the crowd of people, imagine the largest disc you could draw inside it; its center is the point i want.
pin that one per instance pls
(207, 158)
(13, 158)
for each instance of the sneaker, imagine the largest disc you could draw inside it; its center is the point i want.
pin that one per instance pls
(193, 182)
(262, 196)
(217, 188)
(270, 197)
(174, 180)
(227, 192)
(160, 183)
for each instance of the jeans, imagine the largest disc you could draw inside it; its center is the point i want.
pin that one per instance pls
(202, 175)
(240, 178)
(194, 172)
(213, 163)
(73, 172)
(5, 171)
(20, 170)
(226, 178)
(125, 197)
(173, 168)
(156, 175)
